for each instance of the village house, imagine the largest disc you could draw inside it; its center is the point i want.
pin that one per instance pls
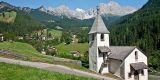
(75, 53)
(126, 62)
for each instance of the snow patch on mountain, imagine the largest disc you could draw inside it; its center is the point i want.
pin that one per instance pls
(114, 8)
(106, 8)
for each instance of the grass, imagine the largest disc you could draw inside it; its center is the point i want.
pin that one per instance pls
(33, 55)
(8, 16)
(17, 72)
(81, 47)
(55, 33)
(25, 49)
(152, 79)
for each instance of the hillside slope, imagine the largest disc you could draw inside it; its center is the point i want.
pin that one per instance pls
(18, 23)
(141, 29)
(17, 72)
(8, 17)
(26, 51)
(53, 20)
(14, 21)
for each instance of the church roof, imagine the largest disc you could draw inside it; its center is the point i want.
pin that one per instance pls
(139, 66)
(104, 49)
(98, 26)
(120, 52)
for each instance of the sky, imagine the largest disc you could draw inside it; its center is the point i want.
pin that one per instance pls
(73, 4)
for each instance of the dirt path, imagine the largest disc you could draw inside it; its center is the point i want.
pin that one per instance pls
(56, 68)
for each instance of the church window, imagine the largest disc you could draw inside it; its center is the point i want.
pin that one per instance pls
(92, 37)
(102, 37)
(136, 55)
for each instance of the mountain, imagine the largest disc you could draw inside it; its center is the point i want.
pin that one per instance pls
(66, 18)
(15, 21)
(142, 29)
(19, 24)
(5, 5)
(106, 8)
(52, 21)
(42, 8)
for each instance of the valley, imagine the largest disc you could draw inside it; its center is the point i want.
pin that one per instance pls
(60, 36)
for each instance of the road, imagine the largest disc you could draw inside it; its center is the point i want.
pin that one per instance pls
(154, 77)
(55, 68)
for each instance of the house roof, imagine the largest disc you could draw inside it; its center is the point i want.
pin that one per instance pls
(139, 66)
(1, 34)
(120, 52)
(104, 49)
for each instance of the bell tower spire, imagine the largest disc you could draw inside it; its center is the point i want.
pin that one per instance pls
(98, 10)
(98, 45)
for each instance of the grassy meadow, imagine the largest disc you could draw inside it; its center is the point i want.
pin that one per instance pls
(32, 54)
(55, 33)
(26, 50)
(81, 47)
(8, 16)
(17, 72)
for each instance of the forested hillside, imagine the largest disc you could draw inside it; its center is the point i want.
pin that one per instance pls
(141, 29)
(51, 21)
(21, 25)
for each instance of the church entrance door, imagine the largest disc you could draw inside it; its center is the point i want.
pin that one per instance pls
(136, 75)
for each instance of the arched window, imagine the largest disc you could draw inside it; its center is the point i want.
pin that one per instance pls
(102, 37)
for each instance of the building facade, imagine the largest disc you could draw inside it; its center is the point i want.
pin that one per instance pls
(126, 62)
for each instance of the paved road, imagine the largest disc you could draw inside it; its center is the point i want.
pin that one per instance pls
(154, 77)
(56, 68)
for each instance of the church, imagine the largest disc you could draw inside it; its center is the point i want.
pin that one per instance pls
(126, 62)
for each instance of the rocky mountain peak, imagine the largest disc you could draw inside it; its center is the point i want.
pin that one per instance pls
(42, 8)
(105, 8)
(5, 5)
(116, 9)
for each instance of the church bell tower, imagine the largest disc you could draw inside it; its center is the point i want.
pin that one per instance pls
(98, 45)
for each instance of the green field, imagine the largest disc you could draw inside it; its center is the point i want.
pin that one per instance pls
(33, 55)
(25, 49)
(55, 33)
(17, 72)
(81, 47)
(8, 16)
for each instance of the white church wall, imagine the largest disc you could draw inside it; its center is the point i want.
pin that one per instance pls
(93, 54)
(99, 63)
(103, 43)
(100, 59)
(105, 70)
(131, 59)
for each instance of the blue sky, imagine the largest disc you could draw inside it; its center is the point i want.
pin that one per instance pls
(84, 4)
